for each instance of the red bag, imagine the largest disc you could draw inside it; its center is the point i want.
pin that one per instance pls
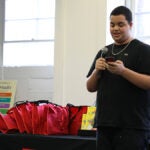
(11, 124)
(75, 117)
(40, 117)
(7, 124)
(50, 118)
(3, 126)
(57, 119)
(16, 114)
(26, 112)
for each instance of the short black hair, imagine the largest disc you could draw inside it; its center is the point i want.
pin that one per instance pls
(122, 10)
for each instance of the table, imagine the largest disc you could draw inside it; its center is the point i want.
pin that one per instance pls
(46, 142)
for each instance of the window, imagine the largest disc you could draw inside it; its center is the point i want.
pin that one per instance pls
(141, 15)
(142, 22)
(29, 33)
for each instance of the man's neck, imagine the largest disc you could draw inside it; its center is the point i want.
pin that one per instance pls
(124, 42)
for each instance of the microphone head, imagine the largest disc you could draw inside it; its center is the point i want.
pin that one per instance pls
(104, 51)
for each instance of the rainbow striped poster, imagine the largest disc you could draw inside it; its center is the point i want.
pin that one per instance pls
(7, 94)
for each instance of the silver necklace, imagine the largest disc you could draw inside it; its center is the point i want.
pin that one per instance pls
(120, 50)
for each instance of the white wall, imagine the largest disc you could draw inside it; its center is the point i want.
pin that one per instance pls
(80, 33)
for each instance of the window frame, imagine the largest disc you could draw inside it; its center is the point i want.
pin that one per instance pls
(3, 41)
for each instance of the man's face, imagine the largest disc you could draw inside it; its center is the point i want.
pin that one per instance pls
(120, 29)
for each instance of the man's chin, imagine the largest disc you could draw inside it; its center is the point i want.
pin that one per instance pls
(118, 40)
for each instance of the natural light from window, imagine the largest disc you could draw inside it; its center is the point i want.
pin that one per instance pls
(142, 22)
(29, 33)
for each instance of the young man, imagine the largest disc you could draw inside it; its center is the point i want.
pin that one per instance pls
(122, 83)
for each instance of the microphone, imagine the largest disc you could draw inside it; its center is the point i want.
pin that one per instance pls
(104, 51)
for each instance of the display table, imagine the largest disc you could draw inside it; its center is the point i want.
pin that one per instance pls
(43, 142)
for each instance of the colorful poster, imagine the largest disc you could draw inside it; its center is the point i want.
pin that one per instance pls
(7, 94)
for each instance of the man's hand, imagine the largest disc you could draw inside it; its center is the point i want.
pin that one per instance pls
(101, 64)
(116, 67)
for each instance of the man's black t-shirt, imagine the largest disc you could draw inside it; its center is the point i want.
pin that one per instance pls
(119, 102)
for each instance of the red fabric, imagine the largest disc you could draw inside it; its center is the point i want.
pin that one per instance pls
(7, 124)
(16, 114)
(3, 126)
(57, 119)
(26, 112)
(75, 118)
(39, 117)
(42, 117)
(11, 123)
(35, 120)
(50, 119)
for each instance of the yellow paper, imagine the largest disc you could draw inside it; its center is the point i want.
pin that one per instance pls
(83, 124)
(88, 118)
